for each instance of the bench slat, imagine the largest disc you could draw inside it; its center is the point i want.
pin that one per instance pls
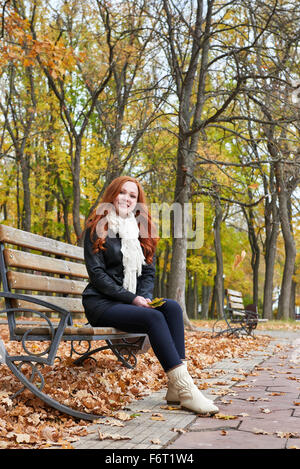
(25, 281)
(236, 305)
(235, 299)
(238, 314)
(69, 330)
(29, 240)
(74, 305)
(26, 260)
(234, 293)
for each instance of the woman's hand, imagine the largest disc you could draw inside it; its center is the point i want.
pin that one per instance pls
(141, 301)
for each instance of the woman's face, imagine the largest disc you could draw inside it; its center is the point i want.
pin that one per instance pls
(126, 201)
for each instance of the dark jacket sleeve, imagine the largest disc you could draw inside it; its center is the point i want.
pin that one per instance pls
(99, 278)
(145, 284)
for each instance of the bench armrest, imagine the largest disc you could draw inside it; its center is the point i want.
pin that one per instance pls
(57, 332)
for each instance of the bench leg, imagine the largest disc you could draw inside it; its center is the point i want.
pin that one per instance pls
(123, 351)
(231, 329)
(28, 383)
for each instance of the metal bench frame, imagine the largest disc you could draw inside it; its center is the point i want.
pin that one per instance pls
(124, 345)
(239, 319)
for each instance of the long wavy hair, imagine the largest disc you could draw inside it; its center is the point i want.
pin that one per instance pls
(148, 236)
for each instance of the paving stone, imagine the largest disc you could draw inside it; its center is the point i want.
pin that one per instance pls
(277, 422)
(205, 423)
(233, 439)
(296, 413)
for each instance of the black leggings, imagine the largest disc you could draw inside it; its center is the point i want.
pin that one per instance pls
(164, 326)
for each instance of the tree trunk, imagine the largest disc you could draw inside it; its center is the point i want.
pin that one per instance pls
(190, 296)
(289, 246)
(219, 258)
(195, 296)
(76, 191)
(178, 274)
(206, 293)
(26, 214)
(255, 250)
(272, 230)
(164, 277)
(177, 284)
(293, 300)
(270, 256)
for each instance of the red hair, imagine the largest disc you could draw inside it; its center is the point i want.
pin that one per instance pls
(148, 241)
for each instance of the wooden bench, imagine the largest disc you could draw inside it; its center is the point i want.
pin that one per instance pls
(239, 319)
(52, 275)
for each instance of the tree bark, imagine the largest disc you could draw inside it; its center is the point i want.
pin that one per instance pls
(272, 231)
(255, 249)
(206, 293)
(218, 288)
(289, 244)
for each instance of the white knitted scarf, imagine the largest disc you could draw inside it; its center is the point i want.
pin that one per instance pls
(133, 257)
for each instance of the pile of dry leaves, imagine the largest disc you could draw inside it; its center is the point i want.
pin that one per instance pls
(103, 388)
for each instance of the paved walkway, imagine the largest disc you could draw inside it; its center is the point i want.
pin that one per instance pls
(258, 411)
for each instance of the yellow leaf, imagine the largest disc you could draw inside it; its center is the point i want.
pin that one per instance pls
(156, 302)
(225, 417)
(157, 416)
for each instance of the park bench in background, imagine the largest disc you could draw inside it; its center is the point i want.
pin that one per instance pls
(239, 319)
(53, 276)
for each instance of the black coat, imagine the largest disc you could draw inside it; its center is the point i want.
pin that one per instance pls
(105, 270)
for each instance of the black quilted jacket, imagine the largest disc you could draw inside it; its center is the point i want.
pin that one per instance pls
(105, 270)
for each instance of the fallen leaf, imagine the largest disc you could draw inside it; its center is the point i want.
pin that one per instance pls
(157, 416)
(178, 430)
(122, 416)
(265, 411)
(113, 423)
(49, 433)
(224, 432)
(169, 407)
(155, 442)
(114, 436)
(258, 431)
(287, 435)
(224, 401)
(19, 437)
(225, 417)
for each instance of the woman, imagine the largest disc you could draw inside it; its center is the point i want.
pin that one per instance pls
(119, 250)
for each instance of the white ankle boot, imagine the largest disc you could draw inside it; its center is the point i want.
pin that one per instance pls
(189, 395)
(172, 396)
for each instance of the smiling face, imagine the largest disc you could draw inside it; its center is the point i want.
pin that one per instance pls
(126, 200)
